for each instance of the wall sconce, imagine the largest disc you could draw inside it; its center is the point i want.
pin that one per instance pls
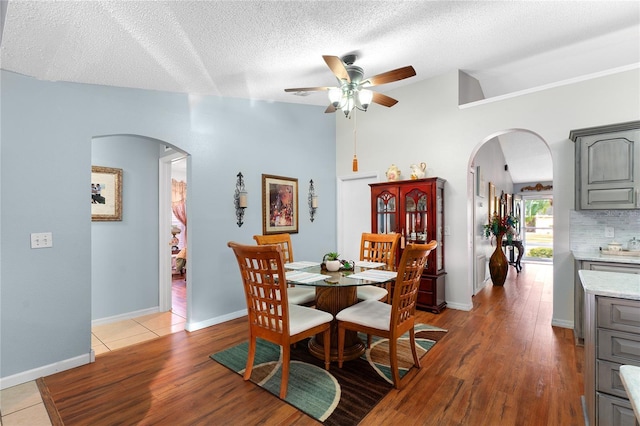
(313, 200)
(240, 199)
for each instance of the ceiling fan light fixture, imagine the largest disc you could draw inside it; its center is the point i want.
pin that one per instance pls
(364, 97)
(335, 96)
(350, 94)
(348, 103)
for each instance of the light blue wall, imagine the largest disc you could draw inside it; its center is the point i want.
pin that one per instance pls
(124, 254)
(47, 128)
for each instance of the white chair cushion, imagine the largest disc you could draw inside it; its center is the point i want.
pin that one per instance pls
(370, 313)
(302, 318)
(371, 292)
(301, 295)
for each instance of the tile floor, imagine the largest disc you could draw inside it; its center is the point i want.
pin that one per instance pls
(22, 405)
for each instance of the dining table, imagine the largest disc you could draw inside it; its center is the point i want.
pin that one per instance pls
(336, 291)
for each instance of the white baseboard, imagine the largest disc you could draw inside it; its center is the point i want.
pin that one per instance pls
(460, 306)
(46, 370)
(128, 315)
(193, 326)
(562, 323)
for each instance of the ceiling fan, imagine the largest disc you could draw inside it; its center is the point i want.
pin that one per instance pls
(352, 87)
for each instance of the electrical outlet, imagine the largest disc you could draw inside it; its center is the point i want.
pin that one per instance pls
(608, 231)
(41, 240)
(447, 231)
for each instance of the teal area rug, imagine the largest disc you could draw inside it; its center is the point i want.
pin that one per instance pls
(338, 396)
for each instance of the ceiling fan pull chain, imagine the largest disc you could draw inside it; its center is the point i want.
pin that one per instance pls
(355, 142)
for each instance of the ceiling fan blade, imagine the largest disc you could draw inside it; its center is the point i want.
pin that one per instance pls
(330, 108)
(308, 89)
(384, 100)
(337, 67)
(390, 76)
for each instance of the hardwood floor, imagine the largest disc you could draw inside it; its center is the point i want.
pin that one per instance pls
(179, 294)
(502, 363)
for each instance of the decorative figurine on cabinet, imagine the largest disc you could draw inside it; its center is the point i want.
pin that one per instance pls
(418, 171)
(393, 173)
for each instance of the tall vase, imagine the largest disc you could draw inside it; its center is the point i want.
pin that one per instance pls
(498, 264)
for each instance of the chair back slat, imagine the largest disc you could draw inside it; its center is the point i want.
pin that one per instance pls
(405, 291)
(283, 240)
(264, 282)
(379, 248)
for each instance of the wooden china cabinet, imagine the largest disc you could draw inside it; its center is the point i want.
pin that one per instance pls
(415, 209)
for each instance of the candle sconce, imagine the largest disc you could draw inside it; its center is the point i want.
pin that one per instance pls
(240, 199)
(313, 201)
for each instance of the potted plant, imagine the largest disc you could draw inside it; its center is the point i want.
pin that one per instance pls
(332, 261)
(499, 227)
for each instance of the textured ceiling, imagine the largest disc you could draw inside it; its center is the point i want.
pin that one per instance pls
(255, 49)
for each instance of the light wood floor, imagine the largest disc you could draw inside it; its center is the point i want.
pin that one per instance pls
(502, 363)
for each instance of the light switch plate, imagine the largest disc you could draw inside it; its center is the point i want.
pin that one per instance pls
(41, 240)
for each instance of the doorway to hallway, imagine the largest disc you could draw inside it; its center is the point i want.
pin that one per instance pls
(537, 220)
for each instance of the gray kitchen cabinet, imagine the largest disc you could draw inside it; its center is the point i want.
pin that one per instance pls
(614, 333)
(607, 167)
(578, 302)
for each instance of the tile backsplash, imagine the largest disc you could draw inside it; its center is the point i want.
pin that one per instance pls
(586, 228)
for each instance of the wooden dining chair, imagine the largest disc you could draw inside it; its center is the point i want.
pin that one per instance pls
(378, 248)
(283, 240)
(271, 316)
(298, 295)
(390, 321)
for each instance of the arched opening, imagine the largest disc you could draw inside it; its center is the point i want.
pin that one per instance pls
(131, 258)
(502, 169)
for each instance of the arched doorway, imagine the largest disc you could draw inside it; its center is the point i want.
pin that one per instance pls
(131, 259)
(502, 163)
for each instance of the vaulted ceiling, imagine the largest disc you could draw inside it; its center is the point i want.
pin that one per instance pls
(256, 49)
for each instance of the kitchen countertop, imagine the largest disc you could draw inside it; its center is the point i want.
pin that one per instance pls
(630, 375)
(611, 284)
(595, 255)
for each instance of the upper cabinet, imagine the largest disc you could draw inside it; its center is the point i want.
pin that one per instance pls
(608, 167)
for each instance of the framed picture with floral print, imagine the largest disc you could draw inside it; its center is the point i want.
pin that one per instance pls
(279, 204)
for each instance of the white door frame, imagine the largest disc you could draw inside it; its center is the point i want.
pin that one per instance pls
(339, 203)
(164, 225)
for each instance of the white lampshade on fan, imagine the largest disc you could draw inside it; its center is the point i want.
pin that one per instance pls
(335, 96)
(347, 100)
(364, 97)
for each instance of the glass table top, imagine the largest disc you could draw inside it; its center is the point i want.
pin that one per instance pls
(316, 277)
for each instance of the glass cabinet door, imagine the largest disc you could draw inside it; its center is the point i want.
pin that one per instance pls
(386, 213)
(415, 221)
(440, 229)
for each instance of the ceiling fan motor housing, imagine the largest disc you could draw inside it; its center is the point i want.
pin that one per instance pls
(355, 74)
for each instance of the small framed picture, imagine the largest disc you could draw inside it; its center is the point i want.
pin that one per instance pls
(493, 202)
(106, 194)
(481, 186)
(279, 204)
